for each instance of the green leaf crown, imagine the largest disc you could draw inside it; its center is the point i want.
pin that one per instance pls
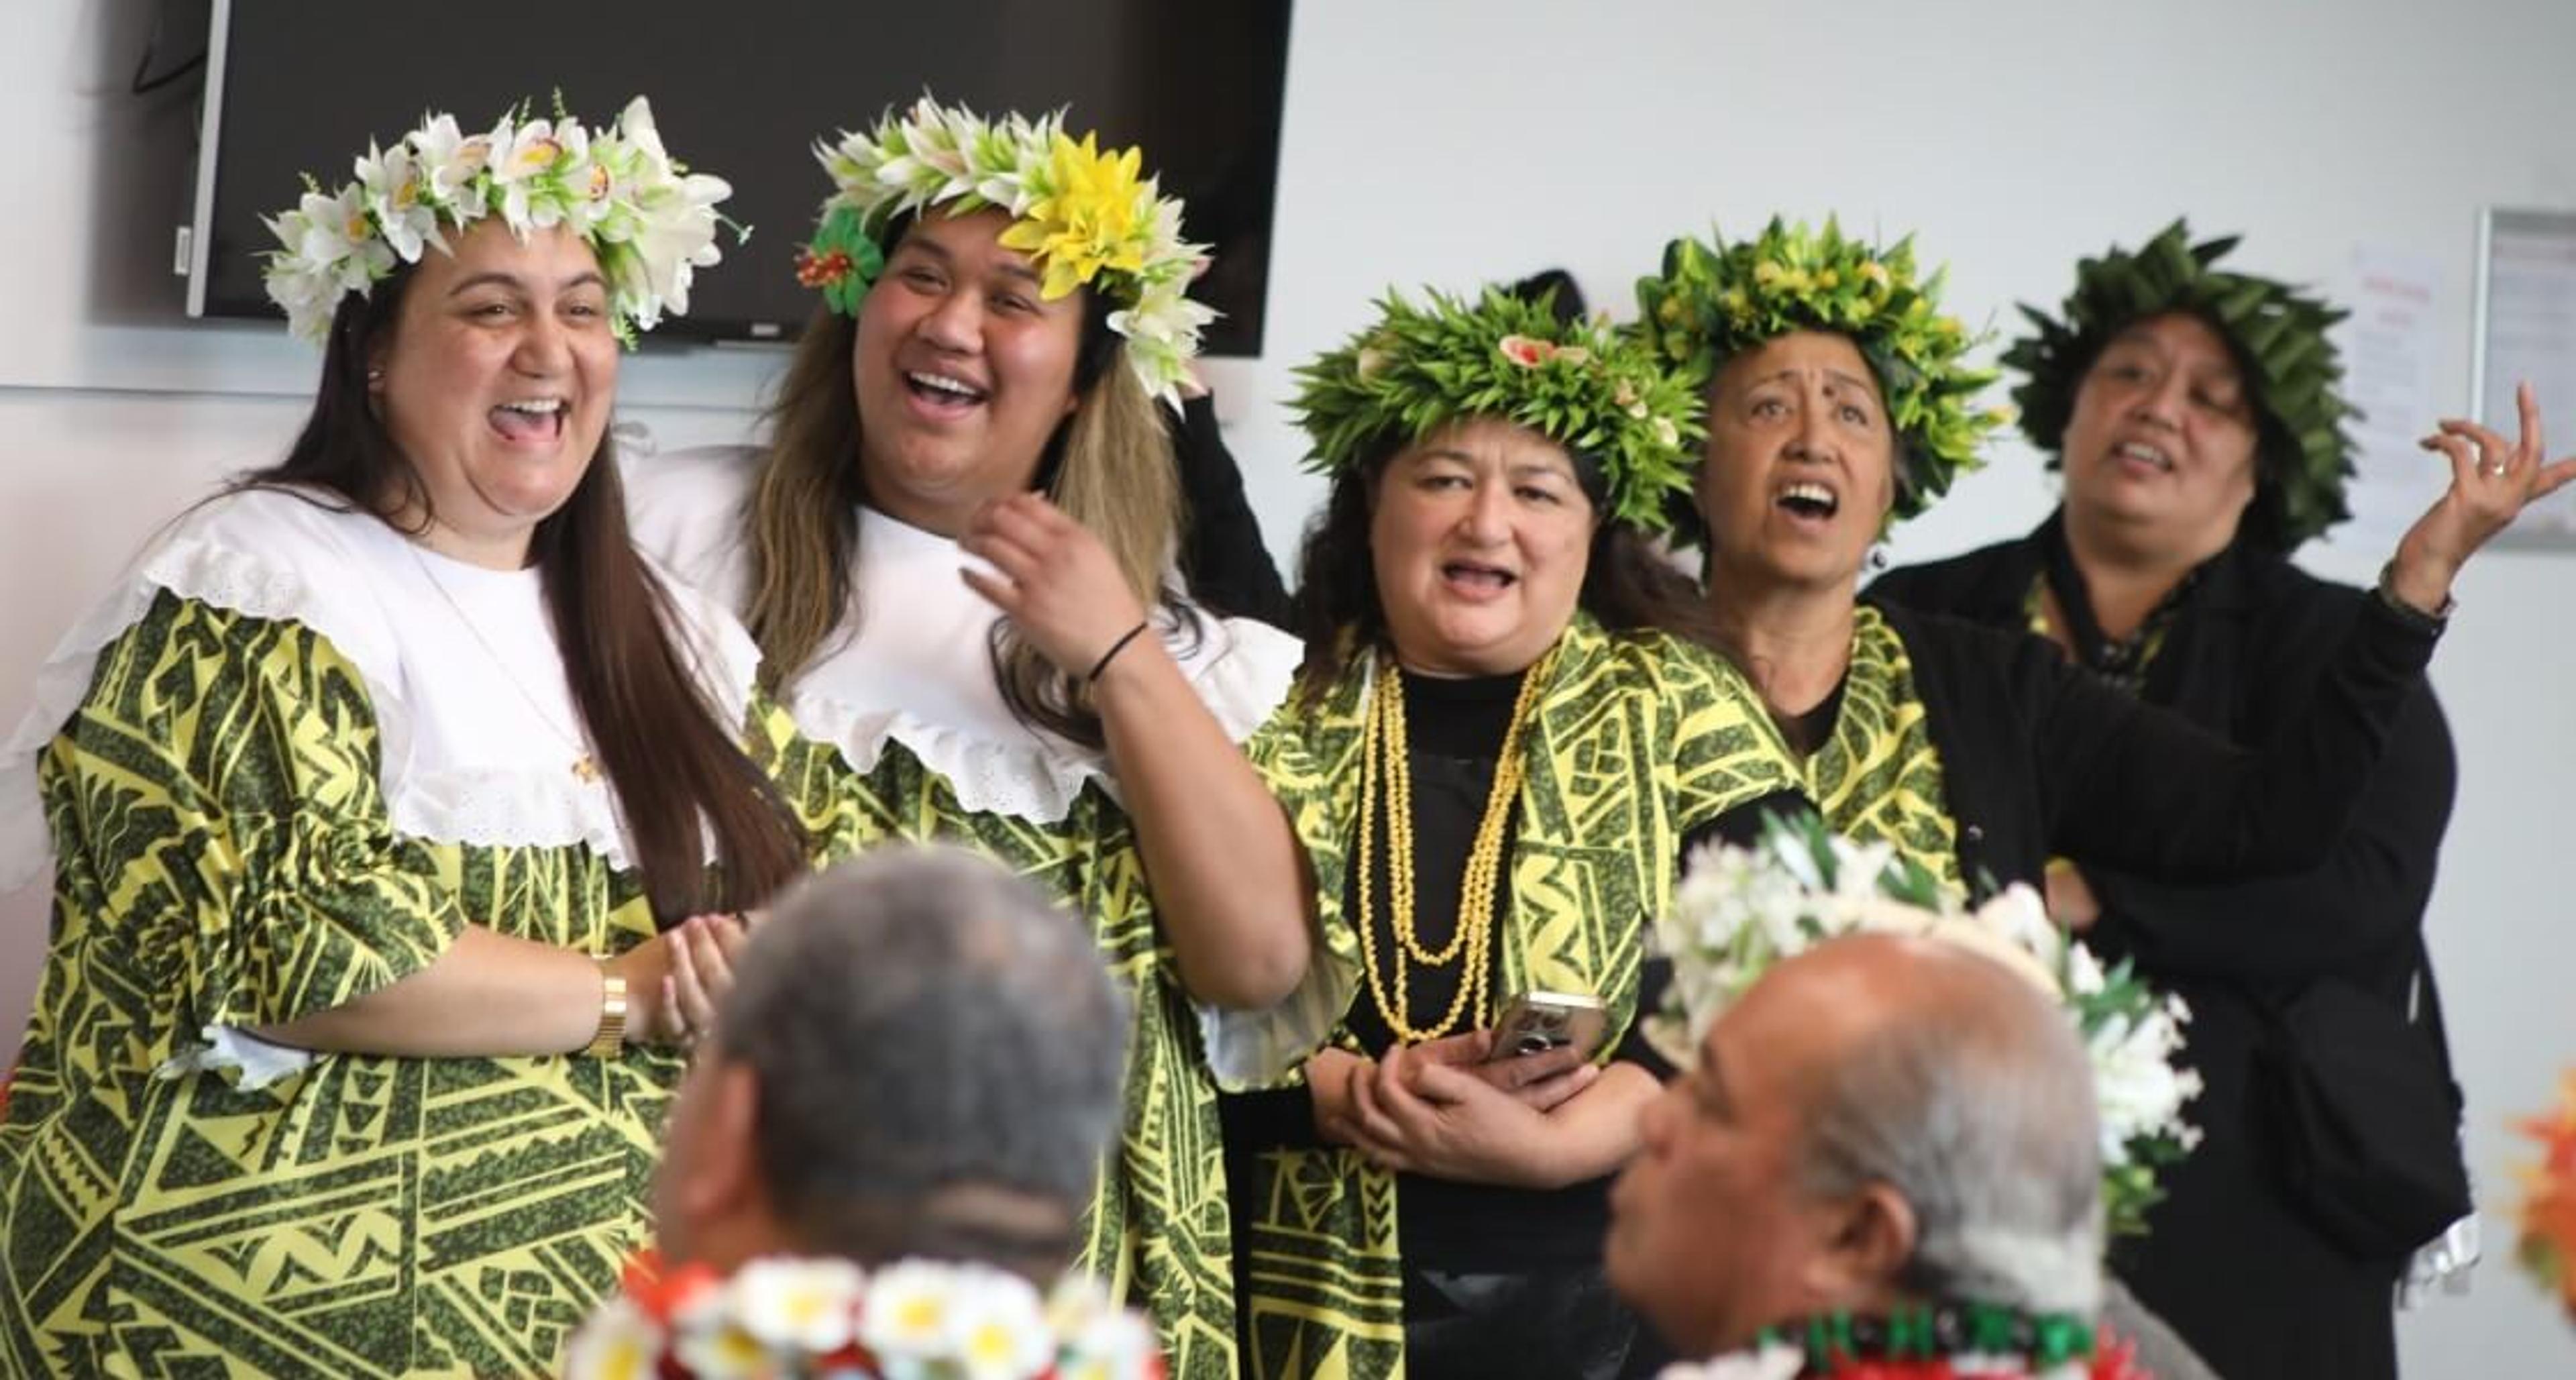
(1581, 384)
(1714, 300)
(2278, 335)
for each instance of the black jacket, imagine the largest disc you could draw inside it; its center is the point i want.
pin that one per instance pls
(2243, 661)
(1222, 555)
(2039, 758)
(2228, 1260)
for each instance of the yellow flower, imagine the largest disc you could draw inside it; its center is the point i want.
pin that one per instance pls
(1093, 219)
(1827, 278)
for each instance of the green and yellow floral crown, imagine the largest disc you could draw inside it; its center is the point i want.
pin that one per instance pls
(2278, 335)
(1082, 214)
(650, 220)
(1580, 384)
(1713, 301)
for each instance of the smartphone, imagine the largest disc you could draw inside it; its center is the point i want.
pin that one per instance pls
(1536, 1022)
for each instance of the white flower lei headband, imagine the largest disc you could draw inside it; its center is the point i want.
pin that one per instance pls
(783, 1317)
(650, 220)
(1737, 911)
(1082, 214)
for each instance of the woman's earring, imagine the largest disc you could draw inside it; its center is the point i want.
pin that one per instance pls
(1878, 557)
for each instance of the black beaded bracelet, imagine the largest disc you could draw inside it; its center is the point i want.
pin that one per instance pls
(1115, 648)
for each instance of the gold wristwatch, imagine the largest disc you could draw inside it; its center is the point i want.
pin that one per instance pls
(611, 1039)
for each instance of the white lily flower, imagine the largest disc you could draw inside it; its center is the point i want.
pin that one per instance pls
(448, 158)
(522, 166)
(392, 183)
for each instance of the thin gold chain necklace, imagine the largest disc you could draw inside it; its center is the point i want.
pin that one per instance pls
(585, 764)
(1383, 758)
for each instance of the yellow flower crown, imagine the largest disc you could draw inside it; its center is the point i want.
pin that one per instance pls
(1084, 216)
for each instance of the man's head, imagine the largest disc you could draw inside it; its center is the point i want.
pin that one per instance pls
(920, 1056)
(1878, 1120)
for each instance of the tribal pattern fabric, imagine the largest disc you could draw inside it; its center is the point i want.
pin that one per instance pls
(1878, 777)
(224, 858)
(1157, 1232)
(1635, 741)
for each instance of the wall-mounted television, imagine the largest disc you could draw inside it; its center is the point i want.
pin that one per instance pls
(742, 89)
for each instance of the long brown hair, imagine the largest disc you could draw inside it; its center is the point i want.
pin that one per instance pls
(671, 762)
(1627, 585)
(1109, 466)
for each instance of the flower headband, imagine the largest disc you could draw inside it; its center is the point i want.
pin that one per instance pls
(1737, 911)
(1580, 384)
(649, 219)
(785, 1316)
(2277, 333)
(1082, 214)
(1713, 302)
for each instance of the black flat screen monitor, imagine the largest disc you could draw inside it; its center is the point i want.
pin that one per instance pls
(743, 90)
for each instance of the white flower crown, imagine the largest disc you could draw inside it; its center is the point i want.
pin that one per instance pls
(1082, 214)
(1738, 911)
(784, 1317)
(650, 220)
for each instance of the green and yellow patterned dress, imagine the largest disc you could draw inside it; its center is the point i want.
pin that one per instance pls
(1877, 776)
(905, 690)
(227, 854)
(1635, 741)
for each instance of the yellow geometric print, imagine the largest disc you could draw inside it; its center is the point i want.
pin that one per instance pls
(1636, 740)
(1157, 1230)
(224, 857)
(1877, 779)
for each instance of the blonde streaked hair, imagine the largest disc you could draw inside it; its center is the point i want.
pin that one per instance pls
(1109, 466)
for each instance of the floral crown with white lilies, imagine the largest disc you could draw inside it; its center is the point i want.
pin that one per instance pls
(1083, 215)
(650, 220)
(1580, 384)
(1738, 911)
(784, 1317)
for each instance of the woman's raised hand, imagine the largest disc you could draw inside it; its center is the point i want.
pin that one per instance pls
(2492, 481)
(1057, 583)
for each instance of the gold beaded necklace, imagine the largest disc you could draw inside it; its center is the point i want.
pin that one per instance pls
(1383, 758)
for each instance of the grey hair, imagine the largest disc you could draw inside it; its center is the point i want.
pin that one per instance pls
(930, 1037)
(1977, 1106)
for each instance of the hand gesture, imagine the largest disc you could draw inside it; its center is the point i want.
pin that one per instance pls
(1424, 1114)
(1056, 582)
(676, 979)
(2492, 481)
(1540, 1082)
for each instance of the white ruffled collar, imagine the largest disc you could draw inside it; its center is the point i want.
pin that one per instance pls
(475, 721)
(917, 670)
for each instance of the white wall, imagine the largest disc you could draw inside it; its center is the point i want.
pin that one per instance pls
(1453, 141)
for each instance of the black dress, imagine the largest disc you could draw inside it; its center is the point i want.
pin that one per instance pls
(2228, 1262)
